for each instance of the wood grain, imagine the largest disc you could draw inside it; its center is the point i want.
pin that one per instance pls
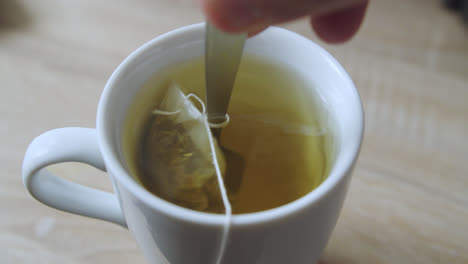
(408, 201)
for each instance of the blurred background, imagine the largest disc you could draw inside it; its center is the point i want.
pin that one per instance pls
(408, 201)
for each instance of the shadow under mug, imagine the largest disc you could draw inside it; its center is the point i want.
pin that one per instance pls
(294, 233)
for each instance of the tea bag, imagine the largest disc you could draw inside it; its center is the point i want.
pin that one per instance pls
(180, 151)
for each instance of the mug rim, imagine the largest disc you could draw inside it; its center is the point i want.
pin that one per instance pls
(335, 176)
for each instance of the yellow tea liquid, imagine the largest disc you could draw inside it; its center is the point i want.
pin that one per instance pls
(277, 124)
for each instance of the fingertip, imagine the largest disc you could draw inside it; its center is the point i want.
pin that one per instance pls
(230, 15)
(211, 12)
(339, 26)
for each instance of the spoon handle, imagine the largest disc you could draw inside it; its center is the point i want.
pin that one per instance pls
(223, 53)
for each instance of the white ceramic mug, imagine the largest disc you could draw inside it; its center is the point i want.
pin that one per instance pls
(294, 233)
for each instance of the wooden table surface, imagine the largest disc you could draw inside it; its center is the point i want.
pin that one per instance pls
(408, 201)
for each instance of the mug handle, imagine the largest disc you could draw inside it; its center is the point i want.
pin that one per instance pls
(68, 145)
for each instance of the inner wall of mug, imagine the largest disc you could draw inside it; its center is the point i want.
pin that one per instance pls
(330, 82)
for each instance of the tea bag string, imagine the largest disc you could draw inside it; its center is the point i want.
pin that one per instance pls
(224, 196)
(227, 205)
(202, 104)
(162, 112)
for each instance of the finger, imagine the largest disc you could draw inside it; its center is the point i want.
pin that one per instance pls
(339, 26)
(255, 30)
(242, 15)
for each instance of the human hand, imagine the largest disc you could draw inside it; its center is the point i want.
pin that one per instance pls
(334, 21)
